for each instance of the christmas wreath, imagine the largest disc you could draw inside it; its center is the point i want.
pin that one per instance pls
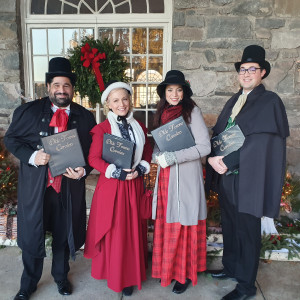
(95, 63)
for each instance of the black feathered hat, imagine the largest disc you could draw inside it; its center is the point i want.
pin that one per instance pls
(257, 54)
(174, 77)
(60, 66)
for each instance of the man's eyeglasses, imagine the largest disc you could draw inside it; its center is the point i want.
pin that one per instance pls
(251, 70)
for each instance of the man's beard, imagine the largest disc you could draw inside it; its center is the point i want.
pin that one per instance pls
(60, 102)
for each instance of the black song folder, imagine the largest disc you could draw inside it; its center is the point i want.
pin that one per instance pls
(65, 150)
(118, 151)
(173, 136)
(228, 141)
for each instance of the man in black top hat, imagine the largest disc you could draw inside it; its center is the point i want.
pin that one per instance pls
(45, 203)
(249, 181)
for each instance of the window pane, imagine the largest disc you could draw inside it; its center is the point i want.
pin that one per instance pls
(55, 41)
(155, 69)
(138, 66)
(139, 40)
(40, 67)
(139, 6)
(39, 41)
(156, 6)
(155, 41)
(86, 32)
(71, 38)
(140, 116)
(153, 97)
(139, 95)
(151, 114)
(106, 33)
(122, 39)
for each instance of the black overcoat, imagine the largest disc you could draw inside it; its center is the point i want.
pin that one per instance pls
(264, 123)
(30, 122)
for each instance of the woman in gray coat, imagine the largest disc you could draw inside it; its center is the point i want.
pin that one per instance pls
(179, 204)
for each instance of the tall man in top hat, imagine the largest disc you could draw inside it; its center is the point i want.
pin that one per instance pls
(249, 181)
(46, 203)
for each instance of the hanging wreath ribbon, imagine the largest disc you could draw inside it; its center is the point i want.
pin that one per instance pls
(90, 57)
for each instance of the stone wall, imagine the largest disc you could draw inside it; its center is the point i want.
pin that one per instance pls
(9, 61)
(210, 35)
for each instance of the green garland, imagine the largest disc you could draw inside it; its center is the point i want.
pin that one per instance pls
(112, 67)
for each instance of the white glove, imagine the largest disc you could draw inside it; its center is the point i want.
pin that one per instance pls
(166, 159)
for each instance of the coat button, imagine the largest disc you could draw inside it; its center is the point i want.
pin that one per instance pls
(51, 181)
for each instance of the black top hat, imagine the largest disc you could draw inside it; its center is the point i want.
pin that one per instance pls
(257, 54)
(60, 66)
(174, 77)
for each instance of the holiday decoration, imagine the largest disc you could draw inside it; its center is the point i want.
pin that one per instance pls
(95, 63)
(291, 189)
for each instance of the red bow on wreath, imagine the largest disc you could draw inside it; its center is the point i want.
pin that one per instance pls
(91, 57)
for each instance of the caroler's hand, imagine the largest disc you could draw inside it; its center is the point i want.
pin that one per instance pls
(41, 158)
(132, 175)
(76, 173)
(218, 165)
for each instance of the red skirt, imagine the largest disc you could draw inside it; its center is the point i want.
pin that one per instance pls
(179, 251)
(122, 256)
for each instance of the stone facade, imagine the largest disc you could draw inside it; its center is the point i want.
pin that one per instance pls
(10, 51)
(208, 37)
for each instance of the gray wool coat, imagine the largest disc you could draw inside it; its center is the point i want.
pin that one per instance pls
(189, 205)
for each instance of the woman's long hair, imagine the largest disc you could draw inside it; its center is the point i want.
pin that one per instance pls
(187, 106)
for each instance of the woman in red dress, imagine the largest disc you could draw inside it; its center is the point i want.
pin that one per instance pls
(116, 235)
(179, 204)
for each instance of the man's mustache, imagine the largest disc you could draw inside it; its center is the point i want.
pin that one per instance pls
(61, 94)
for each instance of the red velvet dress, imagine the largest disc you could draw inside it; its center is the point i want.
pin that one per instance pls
(116, 235)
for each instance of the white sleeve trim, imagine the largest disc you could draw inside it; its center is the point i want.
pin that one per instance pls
(32, 158)
(146, 165)
(110, 169)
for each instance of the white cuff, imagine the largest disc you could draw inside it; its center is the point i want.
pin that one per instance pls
(110, 169)
(32, 158)
(162, 161)
(146, 165)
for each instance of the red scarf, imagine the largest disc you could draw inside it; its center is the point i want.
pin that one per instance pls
(170, 113)
(59, 120)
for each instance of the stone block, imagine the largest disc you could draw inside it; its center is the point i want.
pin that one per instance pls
(8, 31)
(229, 56)
(269, 23)
(285, 39)
(188, 60)
(180, 46)
(9, 60)
(290, 8)
(254, 8)
(9, 97)
(203, 82)
(226, 27)
(221, 2)
(263, 33)
(278, 72)
(286, 86)
(294, 24)
(8, 6)
(227, 83)
(187, 33)
(7, 17)
(178, 18)
(194, 20)
(291, 53)
(210, 56)
(183, 4)
(294, 123)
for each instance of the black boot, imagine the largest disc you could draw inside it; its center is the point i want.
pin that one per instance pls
(127, 291)
(180, 288)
